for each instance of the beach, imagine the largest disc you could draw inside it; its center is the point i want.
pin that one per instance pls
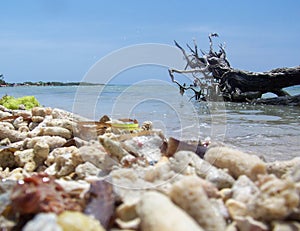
(64, 171)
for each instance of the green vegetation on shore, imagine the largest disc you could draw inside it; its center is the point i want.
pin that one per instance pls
(11, 102)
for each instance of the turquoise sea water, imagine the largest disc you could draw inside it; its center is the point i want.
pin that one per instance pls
(270, 131)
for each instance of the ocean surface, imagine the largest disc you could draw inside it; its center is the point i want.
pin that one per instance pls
(269, 131)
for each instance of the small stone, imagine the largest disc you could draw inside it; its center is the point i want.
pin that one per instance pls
(86, 170)
(25, 159)
(188, 193)
(249, 224)
(152, 210)
(237, 162)
(37, 119)
(41, 151)
(5, 142)
(76, 221)
(43, 221)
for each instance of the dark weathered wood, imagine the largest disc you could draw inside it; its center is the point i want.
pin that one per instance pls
(232, 84)
(282, 100)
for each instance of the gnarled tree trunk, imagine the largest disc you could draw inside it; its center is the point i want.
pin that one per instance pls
(213, 76)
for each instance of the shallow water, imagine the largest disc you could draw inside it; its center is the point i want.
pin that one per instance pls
(269, 131)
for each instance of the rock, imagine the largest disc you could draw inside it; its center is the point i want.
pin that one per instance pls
(25, 159)
(4, 114)
(12, 135)
(95, 154)
(37, 119)
(285, 226)
(78, 187)
(41, 111)
(64, 160)
(188, 193)
(76, 221)
(275, 199)
(5, 142)
(41, 150)
(128, 225)
(237, 162)
(55, 131)
(281, 168)
(7, 158)
(145, 146)
(23, 129)
(236, 208)
(126, 211)
(52, 141)
(43, 221)
(63, 123)
(249, 224)
(244, 190)
(152, 210)
(7, 125)
(114, 148)
(19, 122)
(218, 205)
(87, 170)
(187, 162)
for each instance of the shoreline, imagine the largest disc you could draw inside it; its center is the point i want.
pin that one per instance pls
(53, 83)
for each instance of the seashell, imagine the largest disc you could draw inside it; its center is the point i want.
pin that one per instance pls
(188, 193)
(152, 209)
(237, 162)
(76, 221)
(43, 221)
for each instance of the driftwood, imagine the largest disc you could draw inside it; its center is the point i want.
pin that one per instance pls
(214, 78)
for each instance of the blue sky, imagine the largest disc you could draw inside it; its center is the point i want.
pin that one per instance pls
(59, 40)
